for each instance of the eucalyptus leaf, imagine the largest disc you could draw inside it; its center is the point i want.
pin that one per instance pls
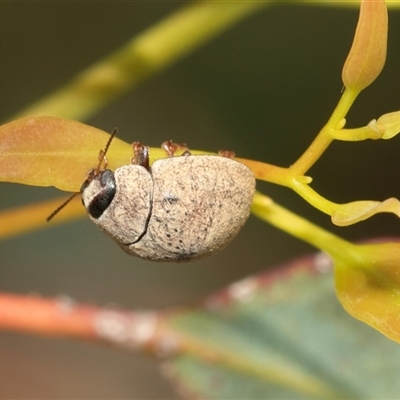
(281, 335)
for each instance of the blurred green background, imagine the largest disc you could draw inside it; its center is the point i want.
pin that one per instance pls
(263, 89)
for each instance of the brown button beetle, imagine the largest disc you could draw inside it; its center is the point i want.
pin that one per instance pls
(182, 208)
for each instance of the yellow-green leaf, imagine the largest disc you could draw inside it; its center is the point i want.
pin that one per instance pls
(368, 286)
(356, 211)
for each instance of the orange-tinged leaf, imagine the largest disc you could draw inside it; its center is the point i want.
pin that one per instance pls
(50, 151)
(368, 286)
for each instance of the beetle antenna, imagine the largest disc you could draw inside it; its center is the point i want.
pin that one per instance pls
(93, 173)
(60, 207)
(113, 133)
(103, 153)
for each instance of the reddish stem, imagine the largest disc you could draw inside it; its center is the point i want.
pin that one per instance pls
(62, 317)
(54, 317)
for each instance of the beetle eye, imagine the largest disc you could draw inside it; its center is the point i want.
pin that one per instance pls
(104, 197)
(107, 177)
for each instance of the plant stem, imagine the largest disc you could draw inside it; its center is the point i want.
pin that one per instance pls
(325, 136)
(154, 49)
(266, 209)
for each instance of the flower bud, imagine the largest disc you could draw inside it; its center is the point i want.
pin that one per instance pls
(368, 53)
(389, 124)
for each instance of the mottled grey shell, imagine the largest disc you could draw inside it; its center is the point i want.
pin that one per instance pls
(186, 208)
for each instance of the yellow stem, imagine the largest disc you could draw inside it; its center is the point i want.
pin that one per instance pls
(154, 49)
(267, 210)
(32, 217)
(313, 198)
(325, 136)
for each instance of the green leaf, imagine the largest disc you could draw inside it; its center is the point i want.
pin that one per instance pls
(281, 335)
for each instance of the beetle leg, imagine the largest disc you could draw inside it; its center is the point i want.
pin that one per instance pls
(171, 148)
(140, 155)
(226, 153)
(186, 153)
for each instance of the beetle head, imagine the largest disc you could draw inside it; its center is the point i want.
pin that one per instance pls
(101, 183)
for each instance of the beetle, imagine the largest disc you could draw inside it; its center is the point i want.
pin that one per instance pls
(181, 208)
